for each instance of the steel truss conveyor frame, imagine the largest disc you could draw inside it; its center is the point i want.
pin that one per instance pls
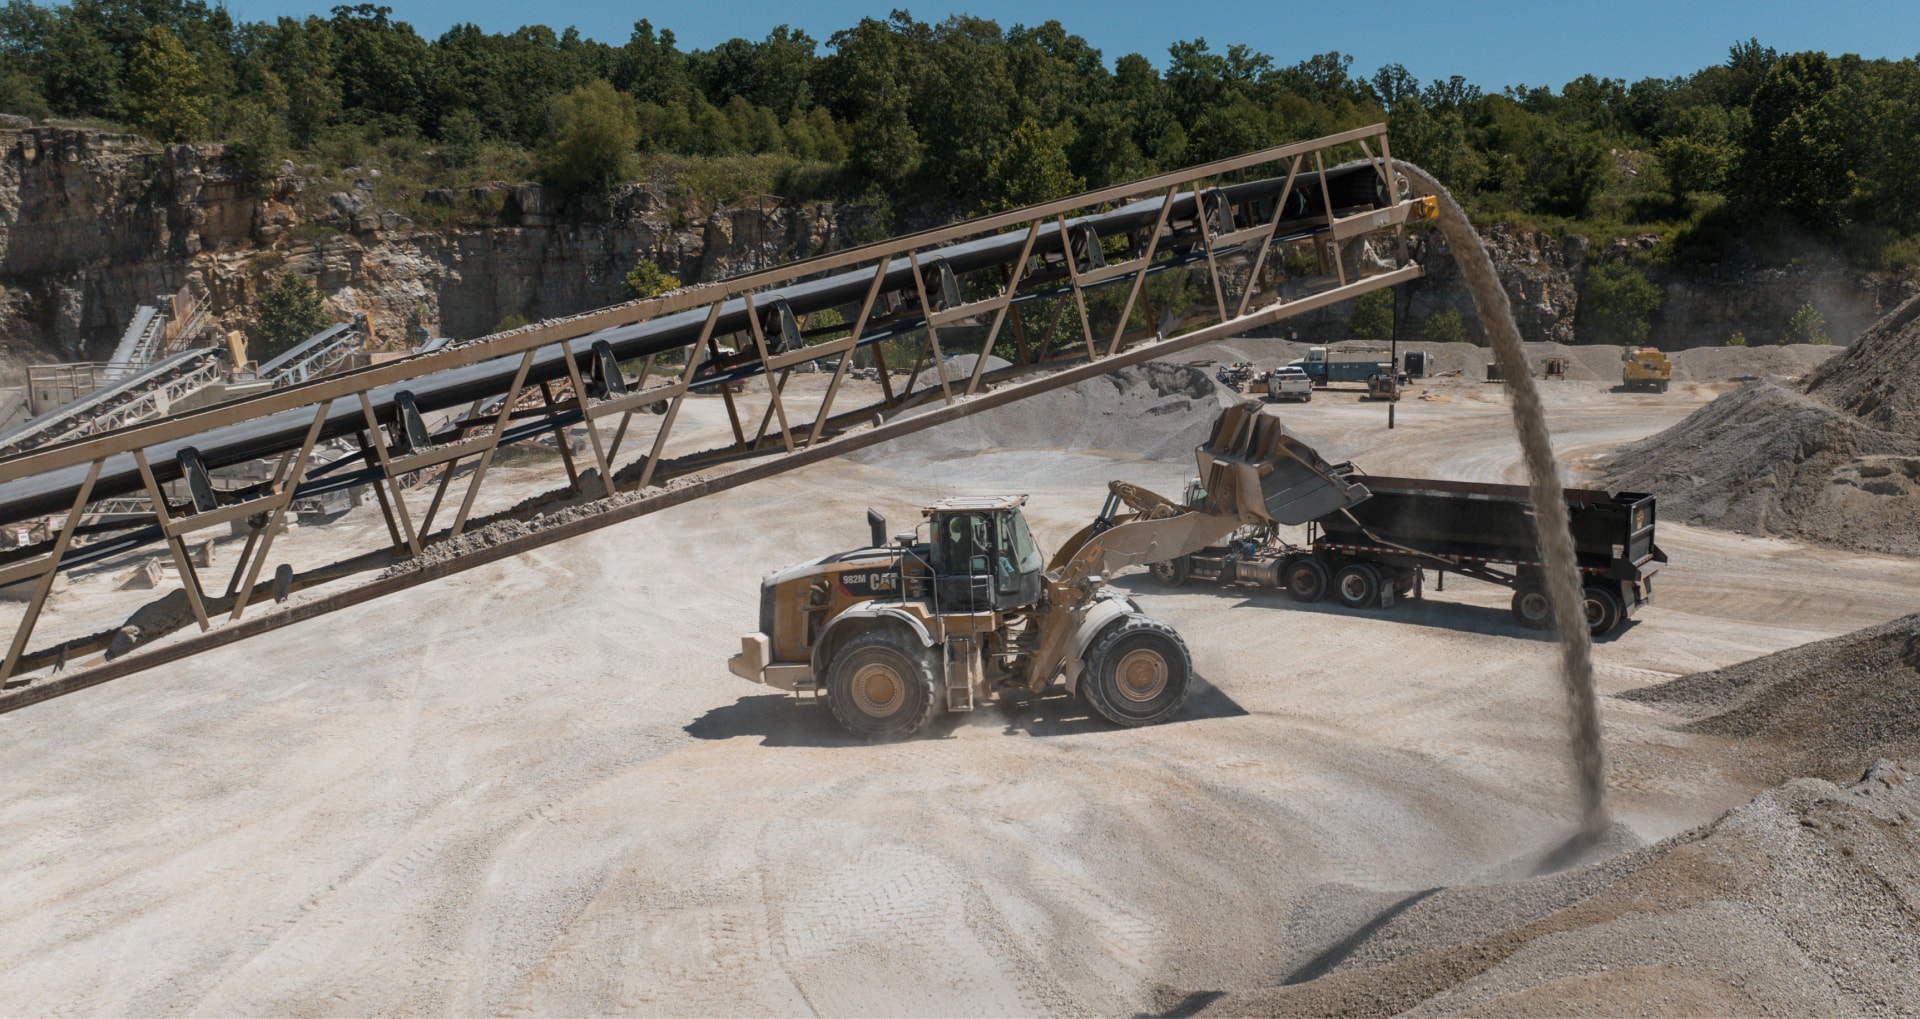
(1210, 222)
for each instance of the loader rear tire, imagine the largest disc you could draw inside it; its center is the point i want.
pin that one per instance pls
(881, 685)
(1307, 580)
(1137, 672)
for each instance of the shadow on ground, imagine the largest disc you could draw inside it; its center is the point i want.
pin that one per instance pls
(1431, 610)
(784, 721)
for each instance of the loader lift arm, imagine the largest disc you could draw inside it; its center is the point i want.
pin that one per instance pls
(1254, 472)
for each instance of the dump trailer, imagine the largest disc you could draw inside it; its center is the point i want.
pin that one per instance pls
(1377, 551)
(961, 610)
(1645, 368)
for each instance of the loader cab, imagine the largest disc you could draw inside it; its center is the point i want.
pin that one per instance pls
(983, 556)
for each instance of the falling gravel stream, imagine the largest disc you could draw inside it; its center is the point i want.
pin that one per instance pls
(1549, 505)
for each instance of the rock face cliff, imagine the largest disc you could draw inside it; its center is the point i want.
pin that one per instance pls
(93, 223)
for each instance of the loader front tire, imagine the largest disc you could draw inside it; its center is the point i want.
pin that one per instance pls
(881, 685)
(1137, 672)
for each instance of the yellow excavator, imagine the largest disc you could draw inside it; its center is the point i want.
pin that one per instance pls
(961, 610)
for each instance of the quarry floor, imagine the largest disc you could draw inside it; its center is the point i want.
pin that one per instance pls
(534, 787)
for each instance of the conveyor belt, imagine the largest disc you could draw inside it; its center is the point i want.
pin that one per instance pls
(270, 436)
(66, 417)
(1055, 258)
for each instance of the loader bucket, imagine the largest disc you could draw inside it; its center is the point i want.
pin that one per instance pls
(1253, 469)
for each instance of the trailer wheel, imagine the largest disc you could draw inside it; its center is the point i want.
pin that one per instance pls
(1137, 673)
(1531, 608)
(1357, 585)
(1602, 608)
(1307, 580)
(1172, 572)
(881, 684)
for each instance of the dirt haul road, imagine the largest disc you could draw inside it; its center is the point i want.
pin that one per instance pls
(535, 787)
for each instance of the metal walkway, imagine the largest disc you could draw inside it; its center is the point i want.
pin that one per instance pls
(1232, 245)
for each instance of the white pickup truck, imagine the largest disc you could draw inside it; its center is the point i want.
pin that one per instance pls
(1289, 383)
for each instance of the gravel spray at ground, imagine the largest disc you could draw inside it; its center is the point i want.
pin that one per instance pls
(1804, 901)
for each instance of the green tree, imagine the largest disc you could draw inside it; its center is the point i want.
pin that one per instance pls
(166, 90)
(1567, 169)
(302, 57)
(1445, 327)
(1806, 326)
(1797, 157)
(20, 94)
(1736, 339)
(81, 70)
(258, 139)
(290, 311)
(1032, 168)
(1617, 304)
(590, 146)
(1372, 317)
(647, 279)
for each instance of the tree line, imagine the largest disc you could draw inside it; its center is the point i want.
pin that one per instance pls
(968, 113)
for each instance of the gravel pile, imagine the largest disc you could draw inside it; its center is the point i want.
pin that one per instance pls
(1834, 460)
(1824, 709)
(1765, 459)
(1878, 378)
(1803, 901)
(1155, 411)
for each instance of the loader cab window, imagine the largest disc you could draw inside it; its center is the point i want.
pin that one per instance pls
(985, 561)
(961, 547)
(1015, 554)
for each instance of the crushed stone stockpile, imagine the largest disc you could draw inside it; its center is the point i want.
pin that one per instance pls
(1802, 901)
(1877, 379)
(1823, 709)
(1836, 460)
(1767, 460)
(1155, 411)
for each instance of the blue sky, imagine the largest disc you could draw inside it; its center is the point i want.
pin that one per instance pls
(1492, 43)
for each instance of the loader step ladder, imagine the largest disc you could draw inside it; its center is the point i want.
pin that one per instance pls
(961, 670)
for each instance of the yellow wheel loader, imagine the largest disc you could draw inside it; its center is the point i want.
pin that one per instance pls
(962, 609)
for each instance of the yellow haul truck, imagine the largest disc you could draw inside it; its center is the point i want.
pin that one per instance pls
(961, 609)
(1645, 368)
